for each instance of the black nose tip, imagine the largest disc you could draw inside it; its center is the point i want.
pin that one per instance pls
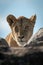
(21, 37)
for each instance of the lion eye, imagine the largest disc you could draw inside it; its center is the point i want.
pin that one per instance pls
(27, 27)
(16, 29)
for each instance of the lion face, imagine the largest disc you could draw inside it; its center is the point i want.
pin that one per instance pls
(22, 28)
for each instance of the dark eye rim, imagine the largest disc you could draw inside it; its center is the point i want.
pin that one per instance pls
(16, 29)
(26, 27)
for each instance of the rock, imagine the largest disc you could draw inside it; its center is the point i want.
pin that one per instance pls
(30, 54)
(3, 42)
(35, 58)
(36, 39)
(3, 45)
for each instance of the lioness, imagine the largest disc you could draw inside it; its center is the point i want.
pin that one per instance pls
(22, 29)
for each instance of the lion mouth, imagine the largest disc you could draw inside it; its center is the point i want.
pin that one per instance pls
(21, 40)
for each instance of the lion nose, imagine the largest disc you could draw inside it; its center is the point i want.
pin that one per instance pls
(21, 37)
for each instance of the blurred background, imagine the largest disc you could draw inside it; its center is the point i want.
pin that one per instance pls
(18, 8)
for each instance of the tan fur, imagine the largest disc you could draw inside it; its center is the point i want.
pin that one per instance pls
(22, 29)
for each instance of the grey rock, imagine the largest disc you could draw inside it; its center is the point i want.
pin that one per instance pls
(30, 54)
(3, 45)
(35, 58)
(36, 39)
(3, 42)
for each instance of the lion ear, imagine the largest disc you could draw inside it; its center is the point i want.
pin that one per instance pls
(33, 19)
(11, 19)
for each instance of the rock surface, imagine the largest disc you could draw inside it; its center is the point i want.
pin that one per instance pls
(3, 45)
(30, 54)
(36, 39)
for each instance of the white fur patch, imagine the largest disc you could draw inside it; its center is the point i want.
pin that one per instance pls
(22, 44)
